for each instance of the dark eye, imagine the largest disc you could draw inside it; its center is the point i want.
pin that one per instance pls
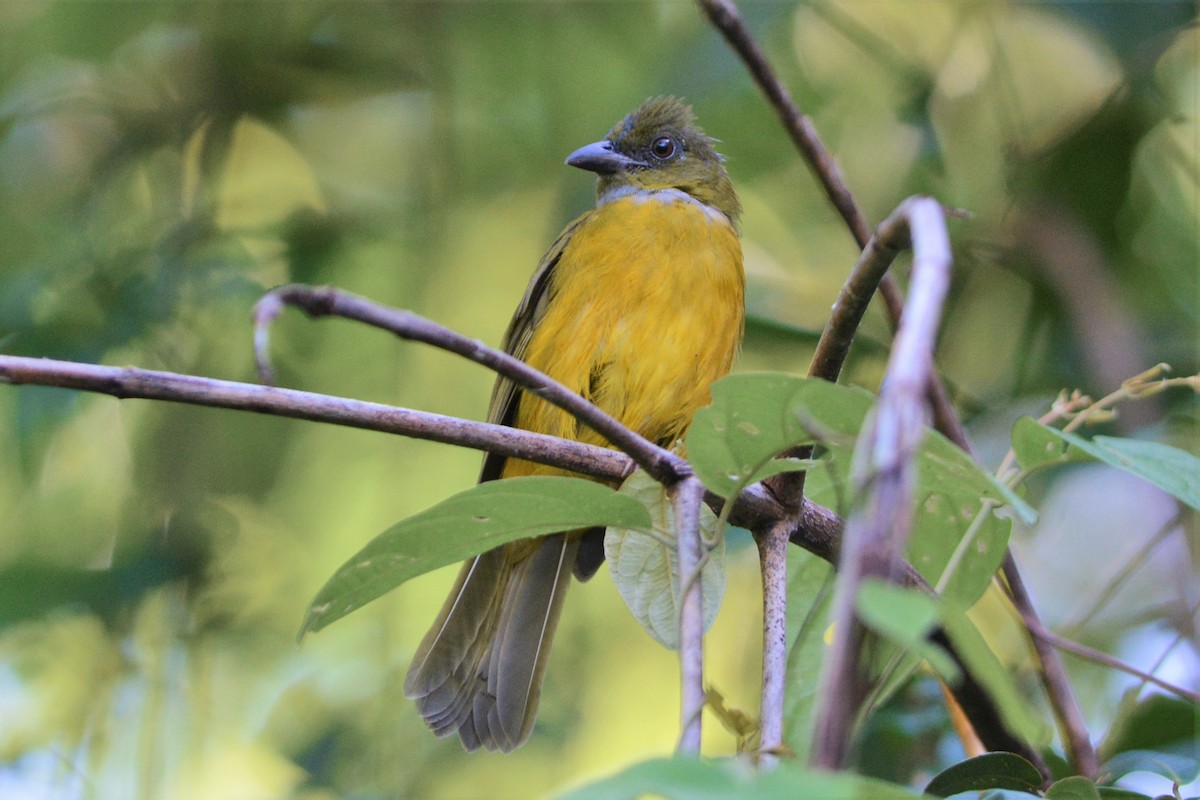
(663, 148)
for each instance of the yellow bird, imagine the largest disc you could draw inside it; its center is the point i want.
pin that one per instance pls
(639, 307)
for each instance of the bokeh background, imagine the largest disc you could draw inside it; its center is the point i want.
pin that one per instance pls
(162, 164)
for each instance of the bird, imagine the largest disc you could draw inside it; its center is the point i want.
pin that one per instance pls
(638, 306)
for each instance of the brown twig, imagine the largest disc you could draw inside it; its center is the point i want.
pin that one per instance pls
(1104, 659)
(725, 16)
(884, 470)
(1054, 677)
(325, 301)
(131, 382)
(772, 556)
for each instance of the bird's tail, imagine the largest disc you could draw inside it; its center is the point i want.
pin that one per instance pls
(479, 669)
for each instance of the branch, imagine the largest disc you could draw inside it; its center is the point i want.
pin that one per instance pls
(1054, 677)
(688, 495)
(663, 465)
(814, 527)
(725, 16)
(1099, 657)
(883, 475)
(772, 555)
(131, 382)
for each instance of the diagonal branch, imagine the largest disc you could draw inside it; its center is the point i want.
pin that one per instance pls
(326, 301)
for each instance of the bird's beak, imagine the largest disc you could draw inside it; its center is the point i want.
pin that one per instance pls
(599, 157)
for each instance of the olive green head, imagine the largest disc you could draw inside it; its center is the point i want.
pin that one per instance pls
(657, 147)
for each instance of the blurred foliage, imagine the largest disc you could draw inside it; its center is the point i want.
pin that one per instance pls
(163, 164)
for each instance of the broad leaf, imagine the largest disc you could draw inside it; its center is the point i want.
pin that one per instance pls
(469, 523)
(1075, 787)
(1179, 768)
(1175, 471)
(756, 416)
(905, 617)
(988, 771)
(646, 571)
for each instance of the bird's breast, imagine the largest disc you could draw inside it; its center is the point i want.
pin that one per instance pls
(646, 309)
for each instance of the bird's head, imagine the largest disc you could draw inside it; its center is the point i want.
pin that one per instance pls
(658, 147)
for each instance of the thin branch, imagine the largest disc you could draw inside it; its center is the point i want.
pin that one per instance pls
(1099, 657)
(754, 508)
(725, 16)
(688, 494)
(131, 382)
(772, 555)
(1054, 677)
(325, 301)
(884, 475)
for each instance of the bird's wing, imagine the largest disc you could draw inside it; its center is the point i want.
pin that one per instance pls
(506, 395)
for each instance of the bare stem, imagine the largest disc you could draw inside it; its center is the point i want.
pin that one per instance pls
(772, 555)
(1054, 677)
(883, 475)
(688, 494)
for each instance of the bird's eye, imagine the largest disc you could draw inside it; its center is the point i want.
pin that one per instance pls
(663, 148)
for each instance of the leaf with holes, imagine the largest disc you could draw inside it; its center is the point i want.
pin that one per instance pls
(646, 570)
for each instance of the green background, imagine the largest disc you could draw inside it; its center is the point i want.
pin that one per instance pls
(163, 164)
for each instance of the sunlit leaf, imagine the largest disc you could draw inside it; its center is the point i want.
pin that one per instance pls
(646, 571)
(471, 522)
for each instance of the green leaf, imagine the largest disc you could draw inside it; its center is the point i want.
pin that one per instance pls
(1175, 471)
(809, 590)
(1177, 767)
(989, 771)
(1075, 787)
(646, 571)
(469, 523)
(756, 416)
(1156, 722)
(1035, 445)
(753, 418)
(683, 778)
(905, 616)
(997, 681)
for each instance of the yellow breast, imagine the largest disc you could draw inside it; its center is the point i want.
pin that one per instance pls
(645, 310)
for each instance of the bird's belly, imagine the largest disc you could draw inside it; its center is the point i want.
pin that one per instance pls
(646, 311)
